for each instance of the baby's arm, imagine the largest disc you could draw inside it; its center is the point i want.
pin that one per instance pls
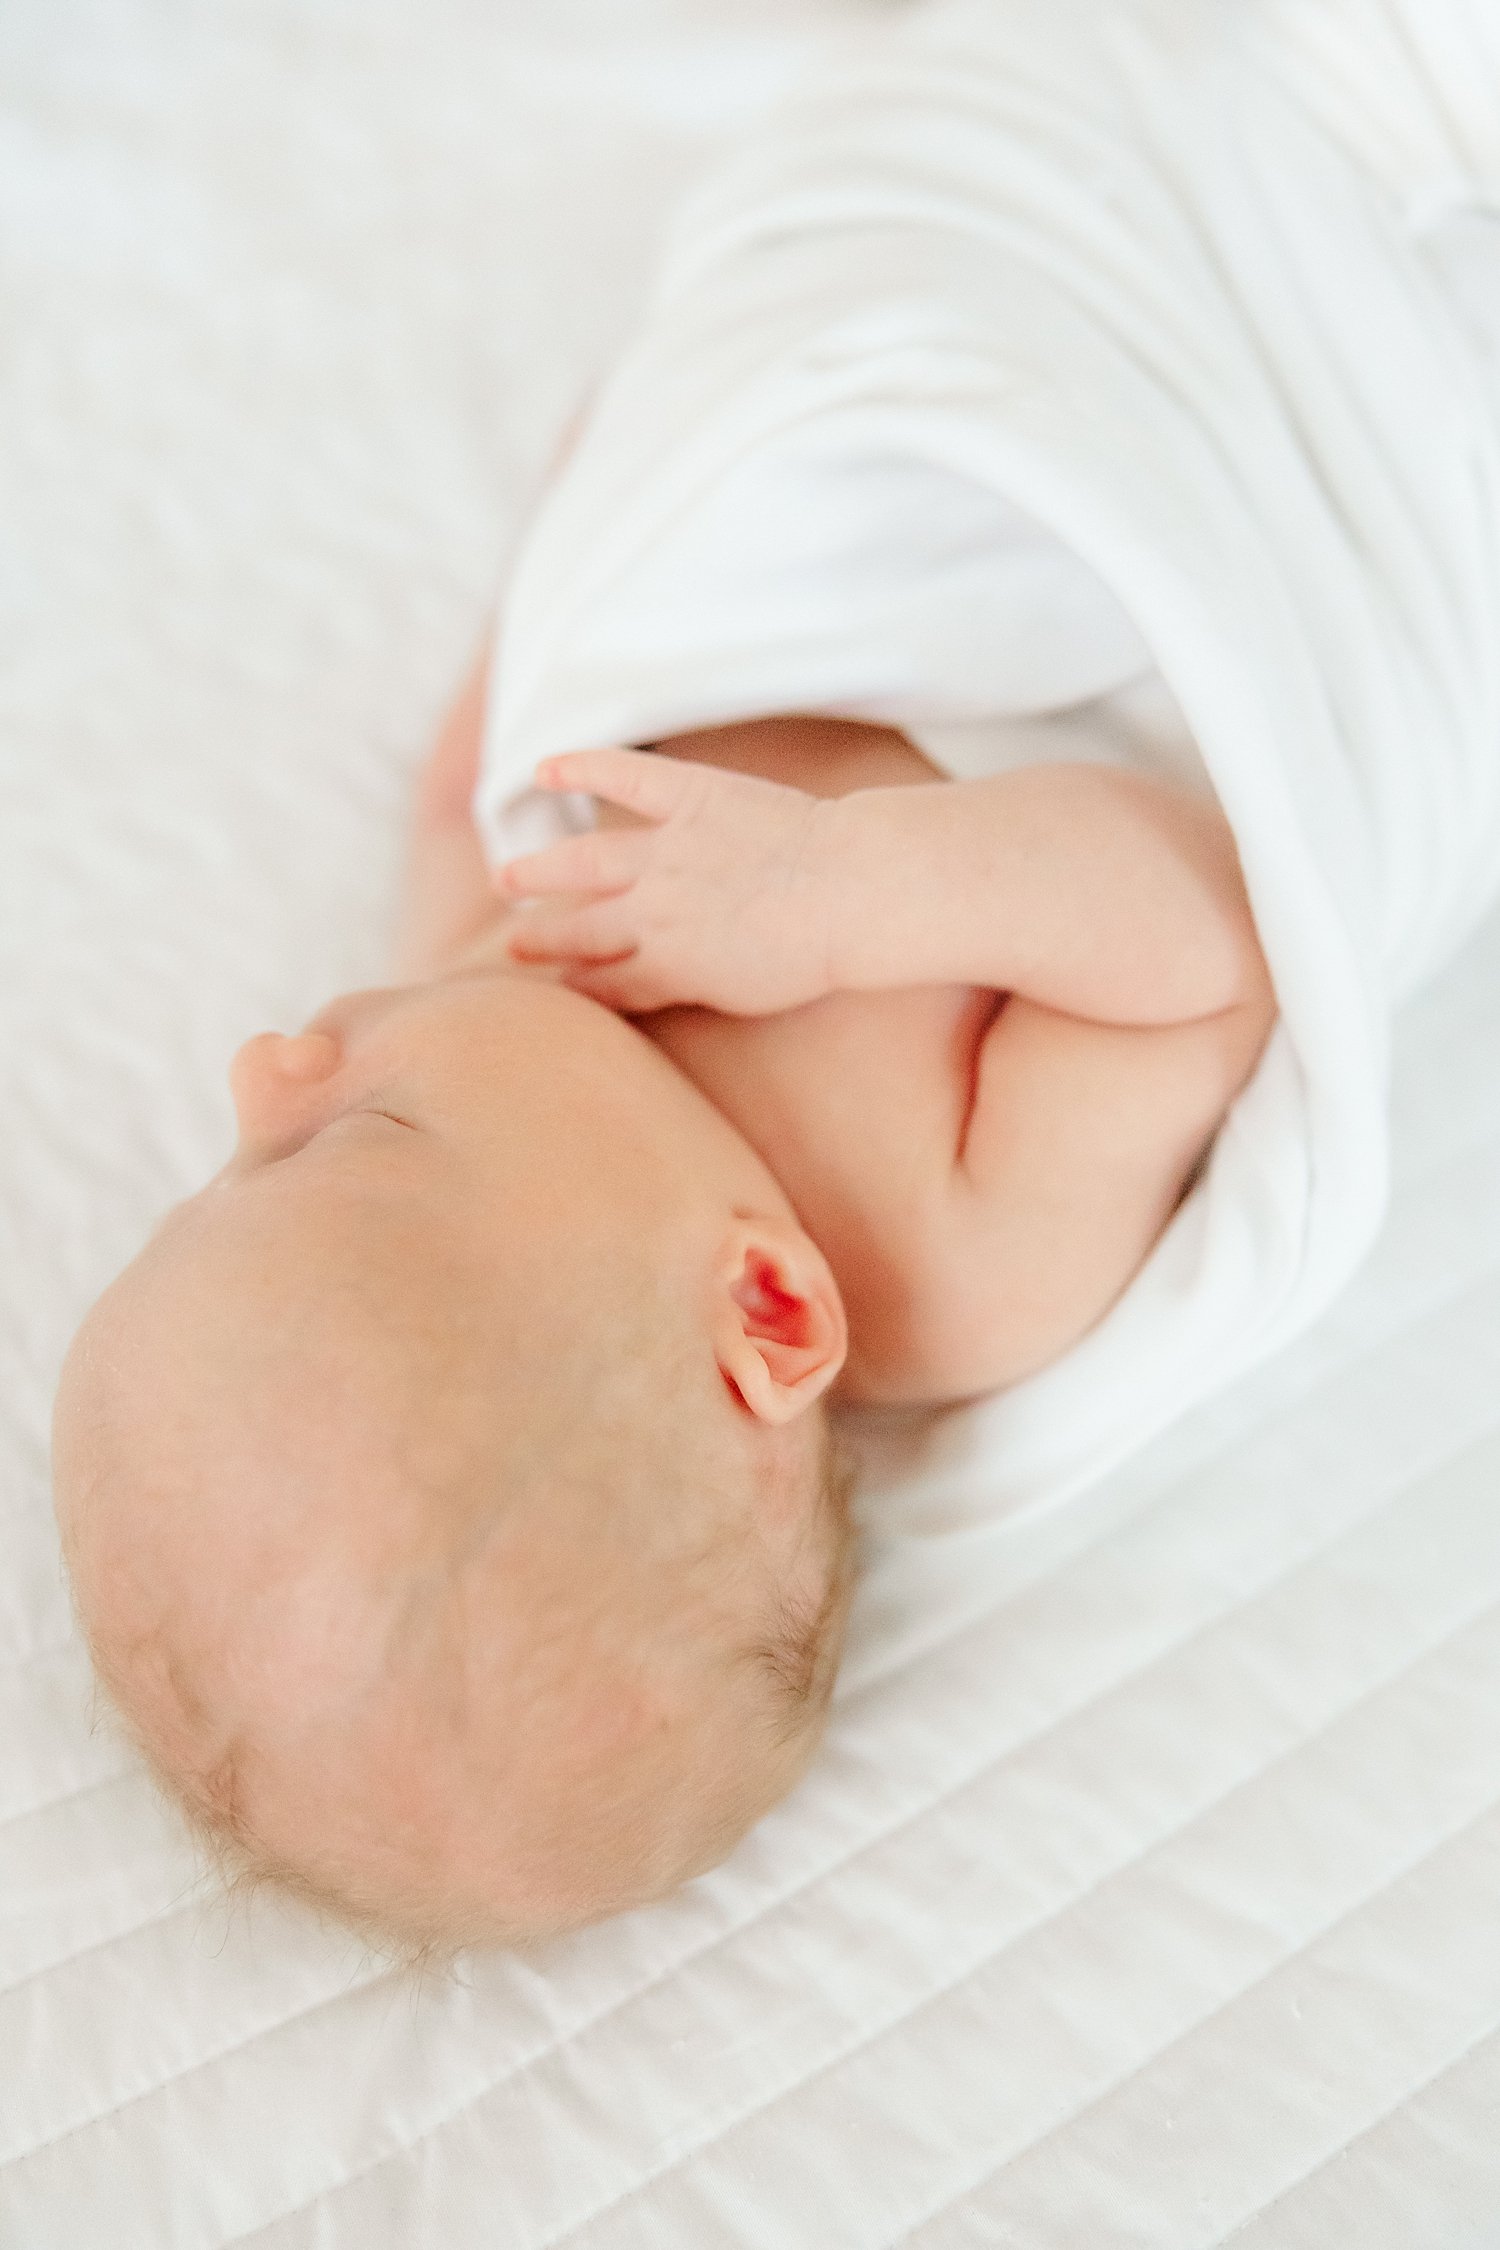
(1100, 894)
(1139, 1003)
(1109, 909)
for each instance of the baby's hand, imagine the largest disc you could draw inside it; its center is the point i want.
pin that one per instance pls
(719, 896)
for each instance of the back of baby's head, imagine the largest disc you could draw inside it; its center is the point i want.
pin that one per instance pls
(464, 1642)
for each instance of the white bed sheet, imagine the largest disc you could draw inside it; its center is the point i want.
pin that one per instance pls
(1148, 1891)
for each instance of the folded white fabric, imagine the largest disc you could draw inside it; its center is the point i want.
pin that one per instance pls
(1034, 354)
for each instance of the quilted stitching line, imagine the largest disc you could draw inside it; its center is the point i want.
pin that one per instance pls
(1475, 1824)
(907, 2016)
(72, 1796)
(180, 1905)
(199, 2062)
(1335, 2155)
(943, 1798)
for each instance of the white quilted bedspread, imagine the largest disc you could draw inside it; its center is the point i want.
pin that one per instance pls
(1148, 1891)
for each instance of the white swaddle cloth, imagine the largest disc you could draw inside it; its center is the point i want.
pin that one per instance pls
(1057, 378)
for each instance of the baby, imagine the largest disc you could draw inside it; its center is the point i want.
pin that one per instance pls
(448, 1487)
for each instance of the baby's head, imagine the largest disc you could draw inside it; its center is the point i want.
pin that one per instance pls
(447, 1488)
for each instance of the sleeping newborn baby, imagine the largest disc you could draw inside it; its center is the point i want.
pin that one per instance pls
(448, 1488)
(1004, 554)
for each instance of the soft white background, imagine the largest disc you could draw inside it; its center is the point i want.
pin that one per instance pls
(1158, 1907)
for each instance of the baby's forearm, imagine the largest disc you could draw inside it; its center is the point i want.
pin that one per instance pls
(1095, 892)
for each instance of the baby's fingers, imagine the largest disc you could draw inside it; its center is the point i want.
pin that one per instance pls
(627, 985)
(571, 934)
(604, 860)
(636, 780)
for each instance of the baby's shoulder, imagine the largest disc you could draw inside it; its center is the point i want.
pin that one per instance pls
(1082, 1141)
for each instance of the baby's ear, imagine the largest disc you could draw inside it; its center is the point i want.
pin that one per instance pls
(779, 1327)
